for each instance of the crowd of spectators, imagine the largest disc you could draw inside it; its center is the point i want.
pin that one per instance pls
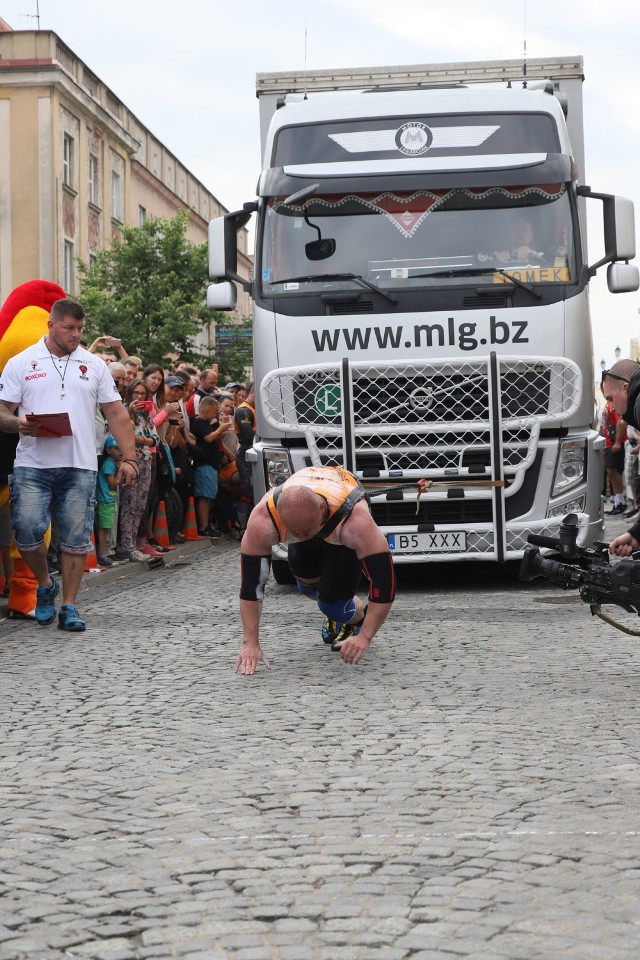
(621, 460)
(191, 438)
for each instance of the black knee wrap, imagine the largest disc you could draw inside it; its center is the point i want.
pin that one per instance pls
(379, 569)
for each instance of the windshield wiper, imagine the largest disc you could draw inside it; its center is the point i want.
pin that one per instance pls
(340, 276)
(479, 272)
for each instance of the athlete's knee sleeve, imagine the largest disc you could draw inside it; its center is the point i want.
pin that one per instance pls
(382, 580)
(341, 611)
(254, 572)
(309, 589)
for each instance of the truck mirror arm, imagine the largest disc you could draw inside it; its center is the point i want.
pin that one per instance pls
(619, 229)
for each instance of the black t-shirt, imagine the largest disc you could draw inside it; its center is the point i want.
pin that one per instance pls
(210, 451)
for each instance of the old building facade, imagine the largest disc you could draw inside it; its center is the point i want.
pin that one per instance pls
(76, 165)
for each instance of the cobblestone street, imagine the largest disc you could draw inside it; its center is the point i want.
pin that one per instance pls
(471, 790)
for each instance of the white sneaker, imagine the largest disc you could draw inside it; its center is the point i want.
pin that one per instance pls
(137, 556)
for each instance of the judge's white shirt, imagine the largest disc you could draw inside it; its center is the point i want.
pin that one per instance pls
(42, 383)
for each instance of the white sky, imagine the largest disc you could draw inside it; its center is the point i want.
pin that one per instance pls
(187, 70)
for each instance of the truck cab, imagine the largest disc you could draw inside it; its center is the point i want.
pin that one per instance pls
(421, 300)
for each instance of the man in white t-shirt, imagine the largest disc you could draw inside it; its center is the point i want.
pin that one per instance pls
(57, 376)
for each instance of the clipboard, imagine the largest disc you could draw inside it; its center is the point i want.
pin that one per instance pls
(51, 424)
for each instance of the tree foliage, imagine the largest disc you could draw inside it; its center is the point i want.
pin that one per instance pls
(234, 347)
(149, 289)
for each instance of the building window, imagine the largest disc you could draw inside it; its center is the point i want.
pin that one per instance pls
(93, 179)
(142, 215)
(68, 266)
(116, 197)
(67, 161)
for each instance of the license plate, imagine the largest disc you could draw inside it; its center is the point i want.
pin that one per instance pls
(450, 541)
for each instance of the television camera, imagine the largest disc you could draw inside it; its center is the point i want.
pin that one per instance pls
(587, 570)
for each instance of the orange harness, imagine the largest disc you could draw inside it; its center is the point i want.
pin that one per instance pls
(339, 489)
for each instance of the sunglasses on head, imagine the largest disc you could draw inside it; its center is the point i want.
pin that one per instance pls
(613, 376)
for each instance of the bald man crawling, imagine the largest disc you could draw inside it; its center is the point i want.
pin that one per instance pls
(323, 516)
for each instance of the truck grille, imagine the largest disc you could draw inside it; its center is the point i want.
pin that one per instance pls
(471, 427)
(423, 418)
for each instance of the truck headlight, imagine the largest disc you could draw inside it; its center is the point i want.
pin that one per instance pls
(569, 506)
(277, 467)
(570, 467)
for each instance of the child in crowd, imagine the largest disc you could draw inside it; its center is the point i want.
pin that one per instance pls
(107, 497)
(207, 432)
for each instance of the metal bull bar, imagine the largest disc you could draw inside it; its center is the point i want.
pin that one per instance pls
(444, 421)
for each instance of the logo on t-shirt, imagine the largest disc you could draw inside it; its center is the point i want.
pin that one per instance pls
(83, 372)
(34, 364)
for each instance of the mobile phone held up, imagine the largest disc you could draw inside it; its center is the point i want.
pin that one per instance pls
(147, 405)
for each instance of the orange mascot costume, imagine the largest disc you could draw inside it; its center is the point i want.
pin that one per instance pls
(23, 320)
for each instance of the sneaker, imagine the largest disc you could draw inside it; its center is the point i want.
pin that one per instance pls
(148, 551)
(630, 513)
(69, 619)
(180, 537)
(115, 559)
(347, 630)
(104, 562)
(330, 630)
(210, 532)
(137, 556)
(159, 547)
(617, 510)
(45, 605)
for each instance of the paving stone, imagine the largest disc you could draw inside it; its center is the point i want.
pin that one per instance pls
(474, 794)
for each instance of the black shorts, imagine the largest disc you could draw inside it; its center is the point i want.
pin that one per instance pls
(337, 568)
(613, 460)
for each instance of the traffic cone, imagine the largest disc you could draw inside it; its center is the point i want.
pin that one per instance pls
(91, 560)
(160, 527)
(190, 529)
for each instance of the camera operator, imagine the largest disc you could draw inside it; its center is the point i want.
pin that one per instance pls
(621, 388)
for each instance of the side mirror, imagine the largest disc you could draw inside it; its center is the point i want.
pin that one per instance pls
(619, 228)
(619, 236)
(223, 245)
(623, 277)
(222, 296)
(218, 254)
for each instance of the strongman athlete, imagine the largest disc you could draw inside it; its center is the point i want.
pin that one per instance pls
(322, 514)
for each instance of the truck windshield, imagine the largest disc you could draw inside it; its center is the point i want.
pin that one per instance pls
(417, 239)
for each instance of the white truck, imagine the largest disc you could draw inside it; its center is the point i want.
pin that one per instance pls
(420, 296)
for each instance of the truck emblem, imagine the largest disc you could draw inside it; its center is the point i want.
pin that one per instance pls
(414, 138)
(329, 400)
(422, 398)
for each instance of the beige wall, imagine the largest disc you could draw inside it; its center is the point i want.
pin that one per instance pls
(46, 92)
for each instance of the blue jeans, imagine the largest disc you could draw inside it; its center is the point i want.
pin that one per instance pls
(68, 491)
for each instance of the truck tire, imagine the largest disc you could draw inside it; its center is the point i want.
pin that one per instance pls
(282, 571)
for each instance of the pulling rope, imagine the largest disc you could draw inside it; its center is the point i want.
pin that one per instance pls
(423, 485)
